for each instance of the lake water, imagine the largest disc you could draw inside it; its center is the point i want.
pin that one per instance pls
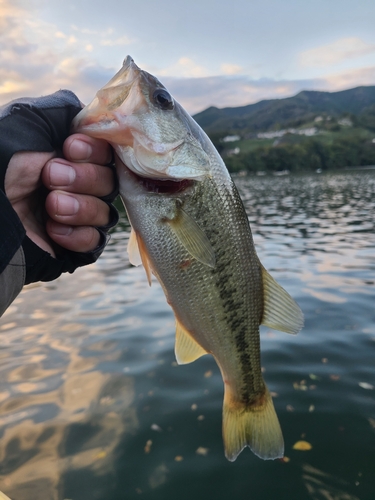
(94, 407)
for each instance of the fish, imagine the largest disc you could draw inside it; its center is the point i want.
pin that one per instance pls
(190, 230)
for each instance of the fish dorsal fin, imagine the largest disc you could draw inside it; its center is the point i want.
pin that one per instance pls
(138, 254)
(186, 348)
(192, 238)
(133, 250)
(280, 311)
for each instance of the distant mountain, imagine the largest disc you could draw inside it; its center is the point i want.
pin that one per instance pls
(290, 112)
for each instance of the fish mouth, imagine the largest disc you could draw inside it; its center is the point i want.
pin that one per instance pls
(164, 186)
(158, 186)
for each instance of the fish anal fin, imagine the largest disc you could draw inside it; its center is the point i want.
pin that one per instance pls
(192, 238)
(186, 349)
(280, 311)
(255, 426)
(133, 249)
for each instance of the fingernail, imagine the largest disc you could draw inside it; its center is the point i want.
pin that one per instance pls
(61, 229)
(80, 150)
(66, 205)
(61, 175)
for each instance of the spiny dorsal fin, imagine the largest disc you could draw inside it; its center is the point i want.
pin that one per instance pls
(133, 250)
(193, 238)
(138, 254)
(280, 311)
(186, 348)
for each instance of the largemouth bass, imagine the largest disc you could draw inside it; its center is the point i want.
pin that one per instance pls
(190, 229)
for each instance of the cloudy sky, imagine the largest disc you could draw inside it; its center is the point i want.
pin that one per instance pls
(206, 52)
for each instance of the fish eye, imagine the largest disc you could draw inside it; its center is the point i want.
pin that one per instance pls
(163, 99)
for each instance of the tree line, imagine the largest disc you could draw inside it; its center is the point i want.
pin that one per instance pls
(309, 154)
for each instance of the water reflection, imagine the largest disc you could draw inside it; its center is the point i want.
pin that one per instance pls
(93, 406)
(58, 411)
(322, 486)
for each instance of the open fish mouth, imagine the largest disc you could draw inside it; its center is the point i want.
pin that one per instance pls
(160, 186)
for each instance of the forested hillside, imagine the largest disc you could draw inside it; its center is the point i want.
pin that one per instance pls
(312, 130)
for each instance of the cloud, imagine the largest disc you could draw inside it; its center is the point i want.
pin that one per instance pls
(196, 94)
(231, 69)
(123, 40)
(184, 68)
(336, 52)
(352, 78)
(37, 58)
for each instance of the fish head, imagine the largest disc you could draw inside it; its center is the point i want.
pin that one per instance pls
(150, 132)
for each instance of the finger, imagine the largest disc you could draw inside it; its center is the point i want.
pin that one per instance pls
(77, 239)
(81, 148)
(84, 178)
(77, 210)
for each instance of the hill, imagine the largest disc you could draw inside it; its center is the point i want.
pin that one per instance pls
(293, 111)
(310, 131)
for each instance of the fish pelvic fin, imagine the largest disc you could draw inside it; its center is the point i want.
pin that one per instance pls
(186, 349)
(192, 238)
(256, 426)
(133, 249)
(138, 254)
(3, 496)
(280, 311)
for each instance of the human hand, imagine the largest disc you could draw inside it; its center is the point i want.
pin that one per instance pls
(59, 186)
(73, 205)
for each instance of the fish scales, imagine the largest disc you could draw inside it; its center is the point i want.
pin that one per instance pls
(190, 229)
(213, 300)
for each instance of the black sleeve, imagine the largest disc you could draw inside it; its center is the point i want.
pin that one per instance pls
(40, 124)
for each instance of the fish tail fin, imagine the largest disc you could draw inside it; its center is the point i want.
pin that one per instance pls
(255, 426)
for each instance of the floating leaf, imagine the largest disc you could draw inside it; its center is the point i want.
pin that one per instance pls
(314, 377)
(300, 386)
(289, 408)
(194, 407)
(201, 451)
(156, 427)
(148, 446)
(179, 458)
(201, 417)
(311, 408)
(302, 446)
(285, 459)
(208, 374)
(365, 385)
(324, 360)
(334, 377)
(372, 422)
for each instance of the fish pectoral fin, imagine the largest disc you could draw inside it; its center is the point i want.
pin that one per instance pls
(255, 426)
(280, 311)
(186, 348)
(133, 249)
(138, 254)
(193, 238)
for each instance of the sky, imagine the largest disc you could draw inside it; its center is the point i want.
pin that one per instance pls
(206, 52)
